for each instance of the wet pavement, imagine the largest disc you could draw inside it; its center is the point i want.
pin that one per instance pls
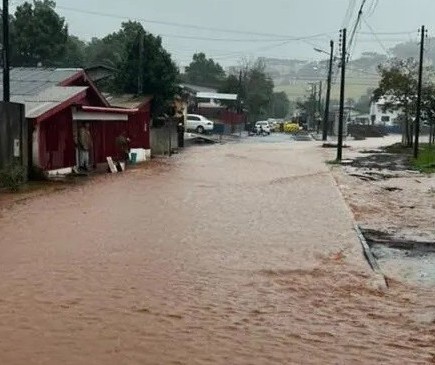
(226, 254)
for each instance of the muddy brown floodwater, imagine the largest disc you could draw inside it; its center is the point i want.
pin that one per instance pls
(235, 254)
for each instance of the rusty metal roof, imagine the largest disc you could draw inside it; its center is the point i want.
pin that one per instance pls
(128, 101)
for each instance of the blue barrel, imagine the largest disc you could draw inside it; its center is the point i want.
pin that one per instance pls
(133, 157)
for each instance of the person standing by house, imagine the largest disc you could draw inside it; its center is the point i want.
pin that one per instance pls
(123, 143)
(85, 146)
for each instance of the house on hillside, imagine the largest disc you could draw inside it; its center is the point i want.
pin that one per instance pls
(57, 102)
(381, 116)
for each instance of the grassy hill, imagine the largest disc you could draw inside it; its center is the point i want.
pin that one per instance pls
(356, 85)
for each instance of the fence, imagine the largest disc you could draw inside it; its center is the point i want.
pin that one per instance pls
(163, 137)
(226, 121)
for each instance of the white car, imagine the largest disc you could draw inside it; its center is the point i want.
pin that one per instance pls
(273, 125)
(198, 123)
(262, 125)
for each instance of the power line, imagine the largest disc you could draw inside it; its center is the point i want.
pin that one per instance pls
(348, 15)
(244, 40)
(373, 8)
(376, 37)
(191, 26)
(389, 33)
(358, 20)
(247, 40)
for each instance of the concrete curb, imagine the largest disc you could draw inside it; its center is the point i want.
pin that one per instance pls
(369, 255)
(366, 248)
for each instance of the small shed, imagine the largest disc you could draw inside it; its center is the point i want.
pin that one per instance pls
(138, 109)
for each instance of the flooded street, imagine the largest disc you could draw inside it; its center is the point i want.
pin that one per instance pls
(233, 254)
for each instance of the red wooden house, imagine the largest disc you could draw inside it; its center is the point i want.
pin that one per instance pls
(58, 100)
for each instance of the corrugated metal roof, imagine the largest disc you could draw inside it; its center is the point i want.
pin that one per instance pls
(128, 101)
(39, 104)
(29, 81)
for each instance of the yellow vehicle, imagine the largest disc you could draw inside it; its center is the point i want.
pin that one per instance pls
(291, 128)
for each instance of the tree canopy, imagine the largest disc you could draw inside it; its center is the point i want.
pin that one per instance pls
(39, 34)
(255, 89)
(280, 105)
(204, 71)
(362, 105)
(398, 89)
(144, 66)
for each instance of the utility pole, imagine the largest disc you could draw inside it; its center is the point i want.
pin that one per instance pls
(420, 83)
(6, 56)
(239, 96)
(313, 105)
(319, 105)
(342, 90)
(328, 94)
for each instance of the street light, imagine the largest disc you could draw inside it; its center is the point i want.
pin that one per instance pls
(328, 90)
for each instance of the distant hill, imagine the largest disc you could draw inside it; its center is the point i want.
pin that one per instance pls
(293, 76)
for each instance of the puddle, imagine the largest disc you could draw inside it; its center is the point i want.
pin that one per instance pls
(411, 265)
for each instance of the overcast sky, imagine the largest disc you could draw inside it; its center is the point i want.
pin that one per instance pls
(250, 20)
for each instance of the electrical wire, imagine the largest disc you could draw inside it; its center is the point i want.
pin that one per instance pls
(348, 15)
(389, 33)
(191, 26)
(355, 28)
(376, 37)
(373, 8)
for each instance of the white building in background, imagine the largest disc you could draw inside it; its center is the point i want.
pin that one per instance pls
(380, 116)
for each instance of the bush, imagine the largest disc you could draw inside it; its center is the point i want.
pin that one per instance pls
(12, 177)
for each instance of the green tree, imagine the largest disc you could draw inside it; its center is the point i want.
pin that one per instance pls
(204, 71)
(99, 51)
(255, 90)
(75, 53)
(308, 106)
(280, 105)
(363, 103)
(40, 35)
(398, 89)
(258, 88)
(110, 50)
(144, 66)
(232, 85)
(428, 109)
